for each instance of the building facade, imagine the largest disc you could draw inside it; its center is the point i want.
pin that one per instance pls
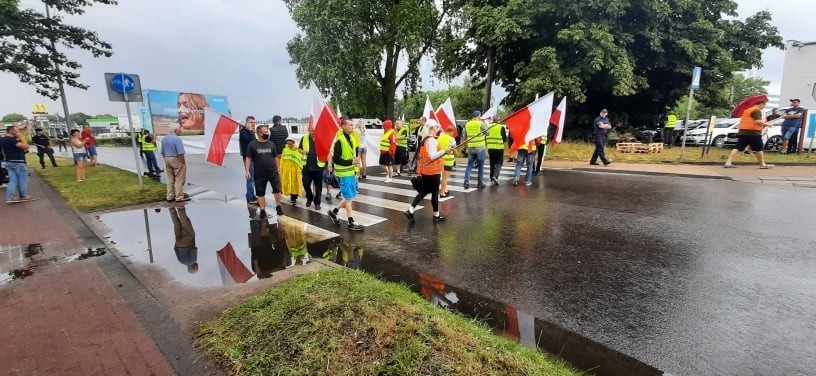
(799, 73)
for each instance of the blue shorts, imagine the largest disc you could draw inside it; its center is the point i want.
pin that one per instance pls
(92, 150)
(787, 132)
(78, 157)
(348, 187)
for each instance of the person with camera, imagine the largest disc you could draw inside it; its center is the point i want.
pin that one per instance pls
(14, 148)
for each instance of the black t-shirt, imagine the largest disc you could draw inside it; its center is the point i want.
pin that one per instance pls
(278, 135)
(11, 152)
(263, 156)
(41, 140)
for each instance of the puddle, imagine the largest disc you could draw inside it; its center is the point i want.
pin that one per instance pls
(213, 244)
(20, 262)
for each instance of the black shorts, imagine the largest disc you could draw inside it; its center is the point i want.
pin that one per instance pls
(448, 168)
(754, 141)
(386, 159)
(262, 180)
(401, 157)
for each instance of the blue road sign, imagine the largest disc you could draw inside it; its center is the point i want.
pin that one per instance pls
(695, 78)
(123, 83)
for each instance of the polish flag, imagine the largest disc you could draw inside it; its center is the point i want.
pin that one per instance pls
(325, 123)
(490, 113)
(530, 122)
(557, 119)
(428, 112)
(445, 117)
(218, 131)
(232, 265)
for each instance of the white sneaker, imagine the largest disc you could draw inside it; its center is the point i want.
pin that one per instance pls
(387, 180)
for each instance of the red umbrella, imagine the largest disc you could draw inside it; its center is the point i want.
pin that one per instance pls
(747, 103)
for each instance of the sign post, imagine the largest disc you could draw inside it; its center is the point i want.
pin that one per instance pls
(123, 87)
(695, 84)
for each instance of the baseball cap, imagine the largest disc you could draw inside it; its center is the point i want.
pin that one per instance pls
(290, 139)
(795, 100)
(477, 113)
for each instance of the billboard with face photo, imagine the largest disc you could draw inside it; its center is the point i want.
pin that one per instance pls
(163, 108)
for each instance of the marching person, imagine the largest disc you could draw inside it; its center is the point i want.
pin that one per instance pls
(526, 155)
(344, 160)
(263, 155)
(475, 148)
(173, 154)
(292, 170)
(388, 148)
(495, 139)
(245, 136)
(429, 167)
(447, 142)
(278, 135)
(601, 127)
(750, 127)
(401, 156)
(541, 147)
(361, 148)
(312, 170)
(44, 148)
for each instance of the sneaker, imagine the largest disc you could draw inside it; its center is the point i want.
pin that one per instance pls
(494, 180)
(387, 180)
(262, 214)
(328, 197)
(337, 196)
(169, 199)
(159, 171)
(397, 174)
(334, 218)
(467, 184)
(279, 210)
(363, 177)
(480, 185)
(529, 183)
(729, 166)
(515, 182)
(355, 227)
(594, 164)
(293, 201)
(182, 199)
(607, 163)
(308, 203)
(317, 206)
(440, 218)
(767, 166)
(409, 215)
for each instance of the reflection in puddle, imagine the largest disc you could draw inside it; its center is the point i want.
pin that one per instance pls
(341, 252)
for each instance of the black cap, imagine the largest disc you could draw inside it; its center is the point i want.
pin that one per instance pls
(38, 130)
(795, 100)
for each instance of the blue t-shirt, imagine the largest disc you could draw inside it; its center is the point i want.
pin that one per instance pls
(172, 146)
(597, 125)
(10, 150)
(793, 123)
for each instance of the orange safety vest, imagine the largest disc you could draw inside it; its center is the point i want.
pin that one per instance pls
(747, 122)
(424, 165)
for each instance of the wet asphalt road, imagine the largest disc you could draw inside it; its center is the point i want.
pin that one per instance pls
(690, 276)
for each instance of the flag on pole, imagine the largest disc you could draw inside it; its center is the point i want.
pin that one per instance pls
(557, 119)
(530, 122)
(445, 116)
(428, 112)
(218, 131)
(338, 111)
(230, 263)
(325, 122)
(490, 113)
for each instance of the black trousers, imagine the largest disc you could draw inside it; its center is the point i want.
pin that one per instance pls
(496, 159)
(539, 157)
(430, 184)
(600, 143)
(50, 153)
(315, 177)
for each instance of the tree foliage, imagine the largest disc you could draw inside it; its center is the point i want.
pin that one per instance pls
(13, 118)
(738, 89)
(465, 99)
(26, 39)
(350, 46)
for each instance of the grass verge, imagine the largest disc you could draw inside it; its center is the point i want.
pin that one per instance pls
(104, 188)
(345, 322)
(581, 151)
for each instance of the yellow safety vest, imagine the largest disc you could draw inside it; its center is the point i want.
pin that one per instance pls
(444, 141)
(671, 121)
(306, 143)
(146, 146)
(474, 127)
(385, 140)
(347, 153)
(524, 147)
(403, 132)
(293, 155)
(494, 139)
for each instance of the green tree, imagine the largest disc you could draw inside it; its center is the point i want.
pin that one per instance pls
(27, 38)
(742, 87)
(465, 99)
(346, 44)
(738, 89)
(13, 118)
(80, 118)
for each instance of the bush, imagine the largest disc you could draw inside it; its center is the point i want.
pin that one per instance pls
(116, 142)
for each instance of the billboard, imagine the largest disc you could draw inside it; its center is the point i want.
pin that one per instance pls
(162, 108)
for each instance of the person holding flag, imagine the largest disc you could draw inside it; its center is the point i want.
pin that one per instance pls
(344, 160)
(475, 148)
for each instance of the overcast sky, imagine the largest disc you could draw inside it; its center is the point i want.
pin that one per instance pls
(237, 48)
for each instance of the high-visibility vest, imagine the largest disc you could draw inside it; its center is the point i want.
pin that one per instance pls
(747, 122)
(474, 127)
(403, 132)
(146, 146)
(425, 166)
(531, 146)
(385, 140)
(494, 139)
(671, 121)
(293, 155)
(306, 143)
(347, 153)
(444, 143)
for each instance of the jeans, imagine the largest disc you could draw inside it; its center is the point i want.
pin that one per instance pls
(152, 164)
(315, 177)
(18, 180)
(529, 159)
(600, 143)
(472, 158)
(250, 184)
(496, 160)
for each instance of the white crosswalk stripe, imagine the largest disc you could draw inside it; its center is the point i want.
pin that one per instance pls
(402, 180)
(359, 217)
(397, 191)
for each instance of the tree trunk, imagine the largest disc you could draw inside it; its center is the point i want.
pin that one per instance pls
(389, 83)
(491, 72)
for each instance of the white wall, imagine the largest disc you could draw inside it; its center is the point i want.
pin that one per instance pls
(799, 74)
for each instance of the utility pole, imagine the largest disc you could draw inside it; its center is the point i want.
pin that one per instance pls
(59, 77)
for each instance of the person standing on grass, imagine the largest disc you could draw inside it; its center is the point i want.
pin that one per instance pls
(429, 167)
(61, 136)
(344, 160)
(312, 170)
(278, 135)
(793, 120)
(173, 154)
(14, 148)
(44, 148)
(148, 144)
(601, 127)
(78, 153)
(263, 155)
(246, 136)
(90, 143)
(750, 128)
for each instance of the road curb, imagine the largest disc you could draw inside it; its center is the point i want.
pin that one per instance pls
(647, 173)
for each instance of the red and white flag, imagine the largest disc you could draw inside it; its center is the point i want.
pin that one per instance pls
(530, 122)
(325, 123)
(218, 131)
(490, 114)
(557, 119)
(445, 117)
(428, 112)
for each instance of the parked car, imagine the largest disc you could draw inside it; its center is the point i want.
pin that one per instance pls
(722, 127)
(771, 136)
(680, 129)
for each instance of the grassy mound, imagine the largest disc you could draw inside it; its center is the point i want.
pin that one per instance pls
(345, 322)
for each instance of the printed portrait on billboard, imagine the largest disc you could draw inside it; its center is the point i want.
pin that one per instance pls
(182, 108)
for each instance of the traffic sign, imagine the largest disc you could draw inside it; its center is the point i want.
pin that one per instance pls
(695, 78)
(123, 87)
